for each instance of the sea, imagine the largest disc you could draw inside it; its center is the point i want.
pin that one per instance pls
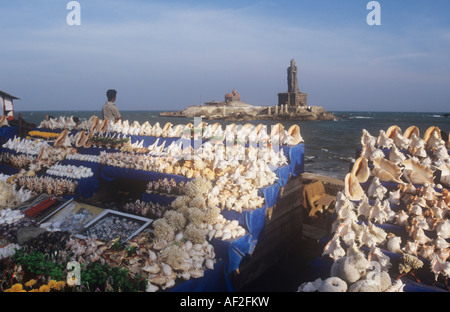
(330, 146)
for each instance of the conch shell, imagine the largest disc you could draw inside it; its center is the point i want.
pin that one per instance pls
(361, 169)
(433, 137)
(294, 131)
(61, 138)
(80, 138)
(408, 132)
(353, 189)
(417, 173)
(386, 170)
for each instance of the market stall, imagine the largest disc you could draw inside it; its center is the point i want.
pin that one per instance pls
(391, 221)
(236, 200)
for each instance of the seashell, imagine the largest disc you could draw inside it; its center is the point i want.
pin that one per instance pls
(209, 264)
(196, 273)
(151, 288)
(166, 269)
(432, 137)
(334, 249)
(417, 146)
(353, 189)
(396, 156)
(416, 173)
(386, 170)
(411, 247)
(394, 243)
(310, 286)
(364, 207)
(410, 131)
(443, 229)
(395, 133)
(384, 141)
(418, 234)
(367, 138)
(402, 218)
(426, 251)
(376, 190)
(443, 254)
(371, 152)
(153, 269)
(294, 131)
(361, 169)
(439, 267)
(394, 197)
(61, 138)
(333, 284)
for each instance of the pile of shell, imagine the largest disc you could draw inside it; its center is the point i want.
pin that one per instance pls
(48, 185)
(112, 227)
(145, 209)
(416, 204)
(165, 187)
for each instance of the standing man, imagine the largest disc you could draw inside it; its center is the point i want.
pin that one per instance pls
(109, 109)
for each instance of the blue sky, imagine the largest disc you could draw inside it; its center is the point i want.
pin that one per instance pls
(167, 55)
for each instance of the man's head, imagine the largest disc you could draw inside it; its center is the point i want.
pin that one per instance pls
(111, 95)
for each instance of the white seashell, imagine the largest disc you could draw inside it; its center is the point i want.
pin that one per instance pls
(196, 273)
(185, 276)
(167, 269)
(226, 236)
(394, 244)
(334, 249)
(218, 234)
(187, 246)
(209, 264)
(152, 256)
(151, 288)
(153, 269)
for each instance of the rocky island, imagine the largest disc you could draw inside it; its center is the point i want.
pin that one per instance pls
(292, 105)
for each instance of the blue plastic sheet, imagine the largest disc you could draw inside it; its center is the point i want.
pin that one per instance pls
(110, 173)
(252, 220)
(271, 194)
(233, 251)
(8, 170)
(7, 133)
(156, 198)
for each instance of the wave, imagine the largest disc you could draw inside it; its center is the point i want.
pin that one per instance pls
(360, 117)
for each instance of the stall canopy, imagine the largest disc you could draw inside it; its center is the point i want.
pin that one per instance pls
(6, 100)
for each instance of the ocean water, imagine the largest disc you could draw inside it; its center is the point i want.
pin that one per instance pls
(330, 146)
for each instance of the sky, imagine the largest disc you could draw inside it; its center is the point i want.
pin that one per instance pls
(168, 55)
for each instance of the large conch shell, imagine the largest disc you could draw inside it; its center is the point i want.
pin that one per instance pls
(94, 124)
(88, 143)
(277, 130)
(361, 169)
(166, 129)
(392, 131)
(395, 133)
(433, 137)
(386, 170)
(61, 138)
(294, 131)
(353, 189)
(79, 139)
(417, 173)
(409, 132)
(103, 126)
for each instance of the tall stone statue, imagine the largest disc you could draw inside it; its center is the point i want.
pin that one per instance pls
(292, 78)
